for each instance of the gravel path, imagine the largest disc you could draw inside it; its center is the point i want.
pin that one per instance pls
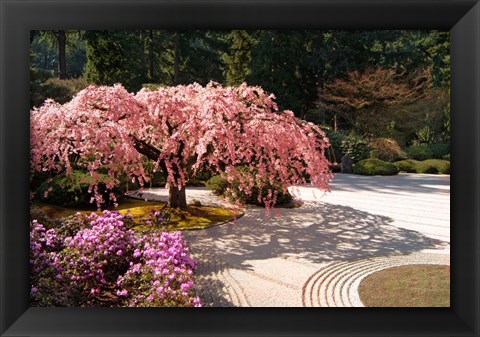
(317, 255)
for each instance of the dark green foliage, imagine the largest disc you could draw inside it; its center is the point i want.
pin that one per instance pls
(438, 151)
(200, 179)
(238, 56)
(281, 65)
(68, 190)
(374, 166)
(431, 151)
(355, 147)
(334, 153)
(113, 57)
(217, 185)
(418, 152)
(60, 91)
(432, 166)
(70, 225)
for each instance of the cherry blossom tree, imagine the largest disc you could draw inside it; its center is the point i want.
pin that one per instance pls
(183, 130)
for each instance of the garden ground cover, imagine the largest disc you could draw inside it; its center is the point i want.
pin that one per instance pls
(193, 217)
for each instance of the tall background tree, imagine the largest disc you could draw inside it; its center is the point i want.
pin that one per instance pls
(301, 67)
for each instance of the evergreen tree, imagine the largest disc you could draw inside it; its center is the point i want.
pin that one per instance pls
(280, 64)
(113, 57)
(238, 56)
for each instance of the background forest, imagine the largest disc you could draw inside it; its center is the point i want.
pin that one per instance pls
(376, 93)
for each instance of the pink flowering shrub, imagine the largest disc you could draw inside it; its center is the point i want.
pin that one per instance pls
(161, 273)
(182, 130)
(47, 284)
(104, 264)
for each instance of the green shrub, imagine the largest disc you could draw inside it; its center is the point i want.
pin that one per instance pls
(69, 190)
(419, 152)
(434, 166)
(200, 179)
(217, 185)
(438, 151)
(355, 147)
(334, 152)
(408, 165)
(431, 166)
(374, 166)
(61, 91)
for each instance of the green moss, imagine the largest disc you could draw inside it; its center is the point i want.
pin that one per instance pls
(374, 166)
(192, 217)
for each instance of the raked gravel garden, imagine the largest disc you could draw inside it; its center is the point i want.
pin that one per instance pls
(318, 254)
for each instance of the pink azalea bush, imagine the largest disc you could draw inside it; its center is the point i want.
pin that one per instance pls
(104, 264)
(47, 284)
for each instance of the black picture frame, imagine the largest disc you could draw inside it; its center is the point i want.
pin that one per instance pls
(18, 17)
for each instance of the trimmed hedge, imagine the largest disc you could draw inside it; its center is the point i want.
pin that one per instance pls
(374, 166)
(431, 151)
(431, 166)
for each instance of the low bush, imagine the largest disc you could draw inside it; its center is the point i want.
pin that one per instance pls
(438, 151)
(59, 90)
(334, 152)
(217, 185)
(408, 166)
(418, 152)
(200, 178)
(355, 147)
(386, 149)
(431, 166)
(374, 166)
(99, 262)
(221, 186)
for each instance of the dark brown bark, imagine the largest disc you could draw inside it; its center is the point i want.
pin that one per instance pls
(320, 73)
(176, 79)
(177, 198)
(62, 59)
(151, 57)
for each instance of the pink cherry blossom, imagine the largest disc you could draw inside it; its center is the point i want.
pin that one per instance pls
(183, 129)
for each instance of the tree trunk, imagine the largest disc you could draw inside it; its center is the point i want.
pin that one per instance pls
(177, 198)
(176, 79)
(151, 57)
(320, 73)
(62, 59)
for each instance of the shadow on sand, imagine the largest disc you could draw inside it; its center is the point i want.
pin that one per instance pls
(317, 233)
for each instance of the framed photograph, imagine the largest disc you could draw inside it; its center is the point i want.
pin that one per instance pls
(118, 305)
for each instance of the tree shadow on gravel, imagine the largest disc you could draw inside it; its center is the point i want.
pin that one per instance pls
(316, 233)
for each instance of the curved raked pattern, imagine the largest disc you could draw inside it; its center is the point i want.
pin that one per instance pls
(337, 284)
